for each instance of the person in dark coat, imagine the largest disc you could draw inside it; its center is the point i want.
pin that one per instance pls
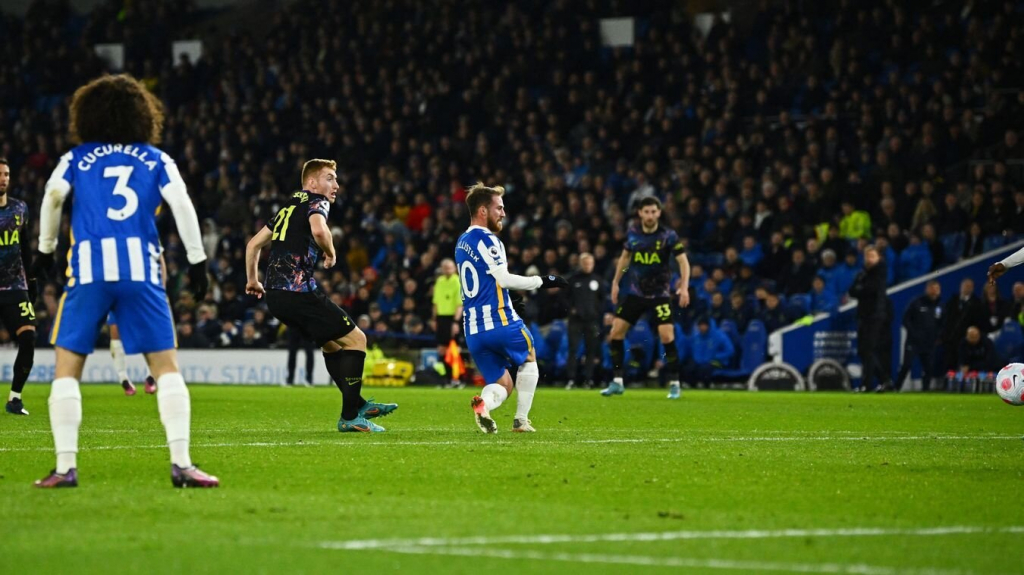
(872, 314)
(923, 322)
(798, 275)
(962, 311)
(587, 293)
(977, 353)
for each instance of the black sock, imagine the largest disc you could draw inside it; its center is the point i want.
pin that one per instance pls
(671, 361)
(346, 369)
(617, 349)
(23, 362)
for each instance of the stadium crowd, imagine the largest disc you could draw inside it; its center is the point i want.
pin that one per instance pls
(780, 149)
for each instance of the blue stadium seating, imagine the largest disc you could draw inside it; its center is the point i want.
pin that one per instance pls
(952, 246)
(798, 305)
(753, 351)
(731, 331)
(996, 241)
(1009, 342)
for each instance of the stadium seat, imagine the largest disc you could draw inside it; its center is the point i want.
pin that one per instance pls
(557, 343)
(731, 331)
(914, 262)
(952, 246)
(1009, 341)
(798, 305)
(752, 353)
(992, 242)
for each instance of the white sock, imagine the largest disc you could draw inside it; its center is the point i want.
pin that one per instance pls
(175, 413)
(617, 380)
(120, 361)
(13, 395)
(674, 382)
(65, 419)
(526, 385)
(493, 394)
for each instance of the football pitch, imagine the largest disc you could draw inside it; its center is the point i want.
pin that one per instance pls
(718, 482)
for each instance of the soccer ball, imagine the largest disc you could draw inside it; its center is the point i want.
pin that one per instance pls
(1010, 384)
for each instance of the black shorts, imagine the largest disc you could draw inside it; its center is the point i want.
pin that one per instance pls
(16, 311)
(444, 329)
(634, 307)
(312, 313)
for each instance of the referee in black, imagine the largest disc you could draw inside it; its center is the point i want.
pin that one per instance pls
(587, 294)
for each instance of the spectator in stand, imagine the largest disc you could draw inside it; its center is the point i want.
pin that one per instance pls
(975, 244)
(710, 349)
(831, 274)
(1018, 302)
(389, 299)
(229, 332)
(250, 338)
(740, 310)
(189, 338)
(873, 311)
(997, 309)
(822, 299)
(752, 254)
(847, 271)
(583, 130)
(961, 311)
(772, 314)
(952, 218)
(587, 294)
(719, 310)
(797, 275)
(855, 224)
(976, 353)
(923, 321)
(267, 325)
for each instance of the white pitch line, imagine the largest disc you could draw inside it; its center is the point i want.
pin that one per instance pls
(679, 562)
(663, 536)
(566, 443)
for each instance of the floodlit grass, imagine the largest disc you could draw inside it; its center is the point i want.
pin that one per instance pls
(716, 482)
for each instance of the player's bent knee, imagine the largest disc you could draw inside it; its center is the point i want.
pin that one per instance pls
(162, 363)
(354, 340)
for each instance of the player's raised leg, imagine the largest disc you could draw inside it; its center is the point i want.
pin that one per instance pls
(345, 358)
(299, 235)
(495, 334)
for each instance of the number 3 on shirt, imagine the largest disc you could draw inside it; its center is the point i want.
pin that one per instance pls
(131, 199)
(281, 224)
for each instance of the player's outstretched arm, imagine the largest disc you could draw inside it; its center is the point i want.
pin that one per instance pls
(252, 258)
(999, 268)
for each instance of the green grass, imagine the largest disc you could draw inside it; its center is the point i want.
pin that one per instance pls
(296, 493)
